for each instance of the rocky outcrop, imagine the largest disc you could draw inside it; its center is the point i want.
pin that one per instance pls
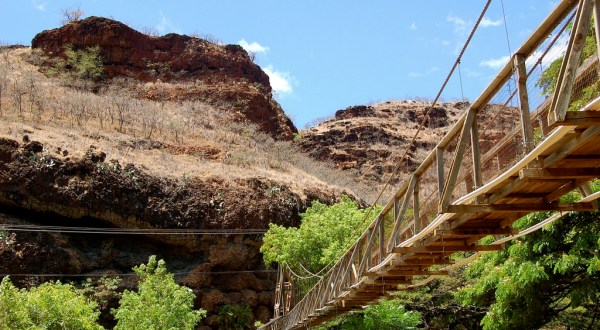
(223, 75)
(370, 139)
(42, 187)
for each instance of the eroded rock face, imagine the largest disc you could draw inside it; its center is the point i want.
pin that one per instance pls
(369, 139)
(38, 187)
(215, 73)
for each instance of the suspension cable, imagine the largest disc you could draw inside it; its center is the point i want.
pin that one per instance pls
(414, 138)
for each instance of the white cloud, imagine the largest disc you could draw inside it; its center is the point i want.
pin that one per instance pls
(39, 6)
(413, 26)
(414, 74)
(165, 25)
(486, 22)
(558, 50)
(459, 23)
(253, 47)
(495, 63)
(281, 82)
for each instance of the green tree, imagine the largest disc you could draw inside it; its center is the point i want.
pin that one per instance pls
(323, 233)
(385, 315)
(160, 303)
(547, 81)
(85, 63)
(552, 275)
(51, 305)
(234, 317)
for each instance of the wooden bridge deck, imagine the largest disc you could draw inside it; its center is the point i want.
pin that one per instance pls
(550, 171)
(475, 182)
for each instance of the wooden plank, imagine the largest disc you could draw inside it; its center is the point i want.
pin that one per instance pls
(457, 160)
(567, 187)
(525, 207)
(568, 70)
(526, 195)
(375, 288)
(507, 189)
(581, 118)
(476, 231)
(426, 262)
(451, 248)
(559, 173)
(392, 273)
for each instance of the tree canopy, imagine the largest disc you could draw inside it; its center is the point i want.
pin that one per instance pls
(323, 233)
(159, 303)
(51, 305)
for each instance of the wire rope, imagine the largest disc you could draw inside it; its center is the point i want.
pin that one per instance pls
(414, 138)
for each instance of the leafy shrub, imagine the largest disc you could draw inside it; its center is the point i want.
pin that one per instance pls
(51, 305)
(86, 64)
(234, 317)
(160, 303)
(386, 315)
(322, 235)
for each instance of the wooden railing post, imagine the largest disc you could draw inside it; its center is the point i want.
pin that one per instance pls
(476, 155)
(439, 158)
(416, 212)
(381, 240)
(526, 127)
(568, 70)
(457, 160)
(403, 208)
(597, 25)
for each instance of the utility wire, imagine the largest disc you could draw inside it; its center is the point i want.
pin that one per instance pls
(128, 231)
(134, 274)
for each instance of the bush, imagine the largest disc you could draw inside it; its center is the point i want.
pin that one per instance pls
(386, 315)
(52, 305)
(323, 234)
(83, 64)
(234, 317)
(160, 303)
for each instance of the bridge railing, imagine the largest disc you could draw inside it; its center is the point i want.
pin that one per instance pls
(494, 133)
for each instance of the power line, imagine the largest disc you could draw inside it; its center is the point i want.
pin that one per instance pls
(129, 231)
(134, 274)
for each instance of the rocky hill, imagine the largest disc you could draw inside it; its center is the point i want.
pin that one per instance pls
(197, 69)
(178, 133)
(368, 140)
(197, 144)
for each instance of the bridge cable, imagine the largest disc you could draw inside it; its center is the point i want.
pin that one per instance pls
(414, 138)
(506, 29)
(538, 62)
(462, 94)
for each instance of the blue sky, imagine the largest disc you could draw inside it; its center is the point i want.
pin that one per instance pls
(322, 55)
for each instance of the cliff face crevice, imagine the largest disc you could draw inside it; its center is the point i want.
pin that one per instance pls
(211, 72)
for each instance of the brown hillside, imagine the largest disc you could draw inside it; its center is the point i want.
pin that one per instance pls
(75, 158)
(222, 75)
(369, 140)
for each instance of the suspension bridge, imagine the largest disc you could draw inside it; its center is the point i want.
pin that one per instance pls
(498, 163)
